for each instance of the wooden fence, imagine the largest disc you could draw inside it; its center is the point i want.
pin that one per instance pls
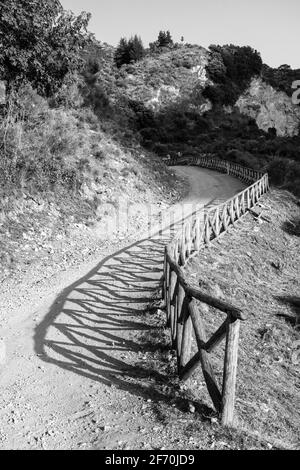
(183, 301)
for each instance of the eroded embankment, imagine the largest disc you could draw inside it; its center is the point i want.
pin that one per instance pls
(256, 266)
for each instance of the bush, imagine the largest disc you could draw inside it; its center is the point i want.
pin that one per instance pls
(40, 147)
(282, 78)
(231, 69)
(277, 170)
(285, 173)
(243, 158)
(40, 43)
(70, 94)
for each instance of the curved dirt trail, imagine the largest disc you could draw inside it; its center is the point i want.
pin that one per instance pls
(79, 370)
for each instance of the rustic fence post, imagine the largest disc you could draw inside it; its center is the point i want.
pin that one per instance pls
(167, 288)
(230, 371)
(186, 343)
(180, 302)
(171, 306)
(164, 284)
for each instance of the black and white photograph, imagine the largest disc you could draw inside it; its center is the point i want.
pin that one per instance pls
(150, 228)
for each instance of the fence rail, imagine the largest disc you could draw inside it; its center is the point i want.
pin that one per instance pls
(184, 302)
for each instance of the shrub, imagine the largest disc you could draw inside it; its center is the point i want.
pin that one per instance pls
(40, 146)
(40, 42)
(231, 69)
(243, 158)
(277, 170)
(285, 173)
(281, 78)
(70, 94)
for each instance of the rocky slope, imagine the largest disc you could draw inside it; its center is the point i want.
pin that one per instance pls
(180, 76)
(160, 81)
(270, 108)
(157, 81)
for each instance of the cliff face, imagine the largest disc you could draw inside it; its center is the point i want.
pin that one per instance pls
(270, 108)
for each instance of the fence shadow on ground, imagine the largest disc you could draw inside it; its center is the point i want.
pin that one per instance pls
(94, 326)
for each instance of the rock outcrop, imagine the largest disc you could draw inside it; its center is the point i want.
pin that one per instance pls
(164, 95)
(270, 108)
(2, 92)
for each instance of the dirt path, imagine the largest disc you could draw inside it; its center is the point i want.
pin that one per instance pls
(76, 370)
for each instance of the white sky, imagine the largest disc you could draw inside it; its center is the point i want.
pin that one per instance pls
(270, 26)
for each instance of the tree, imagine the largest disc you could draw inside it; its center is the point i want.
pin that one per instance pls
(136, 48)
(169, 39)
(231, 69)
(40, 42)
(129, 51)
(164, 40)
(122, 55)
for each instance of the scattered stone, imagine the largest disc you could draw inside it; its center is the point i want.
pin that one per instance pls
(160, 313)
(105, 428)
(192, 408)
(264, 408)
(217, 291)
(277, 265)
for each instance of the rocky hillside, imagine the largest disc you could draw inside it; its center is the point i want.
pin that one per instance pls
(270, 108)
(184, 73)
(222, 101)
(165, 79)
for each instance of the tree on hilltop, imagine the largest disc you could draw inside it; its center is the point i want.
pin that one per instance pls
(164, 40)
(129, 51)
(136, 48)
(122, 55)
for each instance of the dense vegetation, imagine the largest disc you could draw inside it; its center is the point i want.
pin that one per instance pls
(231, 136)
(282, 78)
(231, 69)
(40, 43)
